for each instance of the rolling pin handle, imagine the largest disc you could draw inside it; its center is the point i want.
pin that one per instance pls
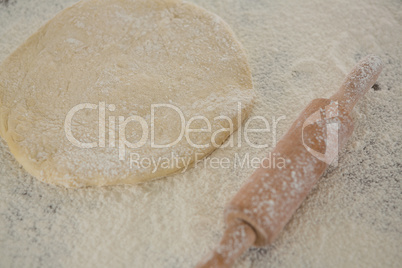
(358, 82)
(238, 237)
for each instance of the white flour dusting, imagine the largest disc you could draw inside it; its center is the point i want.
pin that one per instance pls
(298, 52)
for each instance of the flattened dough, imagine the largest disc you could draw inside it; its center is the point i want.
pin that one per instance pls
(129, 54)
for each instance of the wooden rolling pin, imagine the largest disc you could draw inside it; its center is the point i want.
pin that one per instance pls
(264, 205)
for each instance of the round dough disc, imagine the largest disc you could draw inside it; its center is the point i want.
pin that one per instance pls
(76, 99)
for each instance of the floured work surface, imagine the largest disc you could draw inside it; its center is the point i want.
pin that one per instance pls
(297, 52)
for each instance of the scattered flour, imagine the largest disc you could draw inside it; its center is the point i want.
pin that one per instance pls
(298, 51)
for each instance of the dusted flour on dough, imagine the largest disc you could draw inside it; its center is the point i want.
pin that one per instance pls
(298, 50)
(118, 58)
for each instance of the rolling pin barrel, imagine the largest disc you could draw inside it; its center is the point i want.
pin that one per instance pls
(272, 194)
